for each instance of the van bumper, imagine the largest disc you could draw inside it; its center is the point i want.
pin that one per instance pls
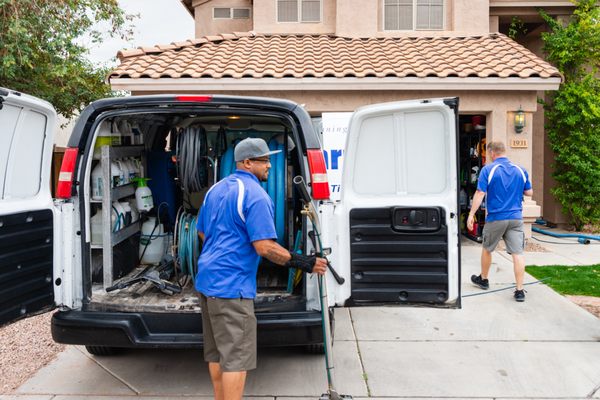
(169, 330)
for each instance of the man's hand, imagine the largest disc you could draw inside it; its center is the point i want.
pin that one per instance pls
(320, 266)
(470, 222)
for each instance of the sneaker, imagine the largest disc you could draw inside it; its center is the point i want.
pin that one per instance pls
(479, 281)
(520, 295)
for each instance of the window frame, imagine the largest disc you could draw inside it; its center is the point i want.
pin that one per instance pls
(299, 20)
(231, 13)
(414, 19)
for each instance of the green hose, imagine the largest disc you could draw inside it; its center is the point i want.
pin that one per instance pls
(188, 244)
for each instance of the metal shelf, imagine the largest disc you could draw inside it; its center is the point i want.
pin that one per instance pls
(122, 234)
(109, 238)
(125, 151)
(118, 192)
(122, 191)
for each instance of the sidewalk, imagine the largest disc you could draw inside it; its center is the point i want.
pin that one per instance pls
(492, 348)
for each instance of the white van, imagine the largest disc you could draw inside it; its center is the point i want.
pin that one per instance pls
(394, 235)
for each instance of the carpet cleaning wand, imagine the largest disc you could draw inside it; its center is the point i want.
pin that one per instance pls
(311, 213)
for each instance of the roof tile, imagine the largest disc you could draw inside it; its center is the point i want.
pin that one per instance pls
(247, 55)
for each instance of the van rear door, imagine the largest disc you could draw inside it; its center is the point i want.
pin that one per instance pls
(27, 221)
(397, 228)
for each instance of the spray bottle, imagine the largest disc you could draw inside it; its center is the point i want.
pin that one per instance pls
(143, 195)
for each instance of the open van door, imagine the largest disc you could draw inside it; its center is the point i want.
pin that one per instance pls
(27, 216)
(396, 235)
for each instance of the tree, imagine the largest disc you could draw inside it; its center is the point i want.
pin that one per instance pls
(42, 51)
(573, 112)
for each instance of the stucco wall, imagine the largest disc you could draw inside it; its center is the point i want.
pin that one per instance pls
(349, 18)
(265, 19)
(206, 25)
(357, 18)
(471, 16)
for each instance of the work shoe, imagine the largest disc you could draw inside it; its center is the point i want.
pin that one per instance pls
(520, 295)
(479, 281)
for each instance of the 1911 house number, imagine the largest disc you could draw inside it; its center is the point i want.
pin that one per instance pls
(519, 143)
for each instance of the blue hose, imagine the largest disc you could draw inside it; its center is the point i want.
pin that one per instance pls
(581, 238)
(188, 246)
(275, 185)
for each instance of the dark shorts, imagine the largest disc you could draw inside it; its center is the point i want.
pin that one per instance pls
(229, 330)
(510, 230)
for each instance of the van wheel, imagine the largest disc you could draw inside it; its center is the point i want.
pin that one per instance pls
(315, 348)
(102, 350)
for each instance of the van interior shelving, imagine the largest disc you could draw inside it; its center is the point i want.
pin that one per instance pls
(472, 136)
(204, 142)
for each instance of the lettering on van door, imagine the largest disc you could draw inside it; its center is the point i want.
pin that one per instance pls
(335, 130)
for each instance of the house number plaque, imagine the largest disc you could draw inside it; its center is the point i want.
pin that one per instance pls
(519, 143)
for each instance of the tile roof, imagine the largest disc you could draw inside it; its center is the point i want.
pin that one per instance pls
(250, 55)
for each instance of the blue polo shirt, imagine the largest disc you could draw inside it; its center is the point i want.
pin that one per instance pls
(503, 183)
(236, 212)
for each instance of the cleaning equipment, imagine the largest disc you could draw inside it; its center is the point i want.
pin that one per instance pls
(104, 138)
(120, 216)
(143, 195)
(116, 174)
(311, 213)
(152, 242)
(187, 243)
(96, 225)
(191, 152)
(97, 189)
(583, 239)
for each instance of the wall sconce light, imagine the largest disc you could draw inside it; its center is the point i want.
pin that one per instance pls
(519, 120)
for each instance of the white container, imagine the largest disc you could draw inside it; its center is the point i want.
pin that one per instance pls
(115, 134)
(128, 218)
(96, 223)
(116, 174)
(124, 170)
(97, 189)
(120, 216)
(152, 242)
(104, 138)
(135, 214)
(143, 195)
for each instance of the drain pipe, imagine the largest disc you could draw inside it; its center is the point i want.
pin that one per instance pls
(583, 239)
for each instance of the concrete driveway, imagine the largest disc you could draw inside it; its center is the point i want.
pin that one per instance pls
(492, 348)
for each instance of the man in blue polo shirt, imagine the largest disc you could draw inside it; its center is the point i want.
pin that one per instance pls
(503, 184)
(237, 227)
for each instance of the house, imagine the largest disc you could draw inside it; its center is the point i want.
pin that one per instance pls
(337, 55)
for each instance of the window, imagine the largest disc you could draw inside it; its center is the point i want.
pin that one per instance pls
(229, 13)
(298, 10)
(413, 14)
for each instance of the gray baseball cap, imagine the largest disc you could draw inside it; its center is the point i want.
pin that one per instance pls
(252, 148)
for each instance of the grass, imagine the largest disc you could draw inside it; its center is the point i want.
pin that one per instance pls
(583, 280)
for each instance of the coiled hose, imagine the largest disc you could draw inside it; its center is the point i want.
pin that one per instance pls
(192, 165)
(187, 243)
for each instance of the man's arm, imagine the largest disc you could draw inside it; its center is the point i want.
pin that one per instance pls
(477, 199)
(273, 252)
(201, 235)
(528, 192)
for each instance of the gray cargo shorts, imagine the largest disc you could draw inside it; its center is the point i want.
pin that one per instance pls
(229, 330)
(510, 230)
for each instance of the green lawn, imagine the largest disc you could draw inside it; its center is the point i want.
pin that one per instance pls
(569, 280)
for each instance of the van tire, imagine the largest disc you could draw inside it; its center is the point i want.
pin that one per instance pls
(102, 350)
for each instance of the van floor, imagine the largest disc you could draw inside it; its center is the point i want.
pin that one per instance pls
(145, 297)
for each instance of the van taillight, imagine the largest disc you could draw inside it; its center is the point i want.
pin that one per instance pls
(196, 99)
(318, 174)
(65, 177)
